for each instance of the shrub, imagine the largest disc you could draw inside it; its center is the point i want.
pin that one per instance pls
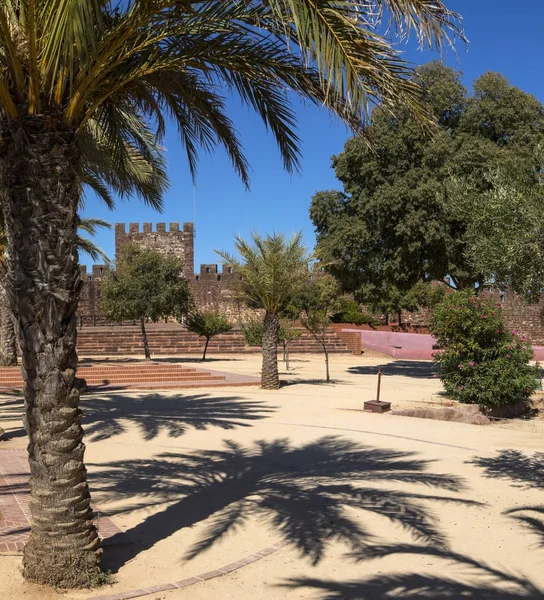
(351, 313)
(253, 329)
(480, 360)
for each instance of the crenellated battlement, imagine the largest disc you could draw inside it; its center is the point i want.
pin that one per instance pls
(211, 272)
(121, 228)
(97, 272)
(173, 241)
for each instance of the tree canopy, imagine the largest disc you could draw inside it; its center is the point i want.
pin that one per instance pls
(397, 220)
(146, 285)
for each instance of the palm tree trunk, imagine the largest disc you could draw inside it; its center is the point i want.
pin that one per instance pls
(8, 344)
(145, 340)
(269, 374)
(38, 170)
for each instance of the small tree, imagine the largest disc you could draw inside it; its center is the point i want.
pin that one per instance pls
(287, 334)
(480, 360)
(146, 285)
(317, 301)
(271, 269)
(207, 325)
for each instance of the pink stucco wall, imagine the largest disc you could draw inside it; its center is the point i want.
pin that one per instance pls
(408, 345)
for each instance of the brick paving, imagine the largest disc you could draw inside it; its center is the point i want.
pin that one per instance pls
(183, 583)
(14, 505)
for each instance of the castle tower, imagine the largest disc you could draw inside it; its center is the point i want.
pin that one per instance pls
(175, 243)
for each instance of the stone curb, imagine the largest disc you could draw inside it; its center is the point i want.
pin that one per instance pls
(183, 583)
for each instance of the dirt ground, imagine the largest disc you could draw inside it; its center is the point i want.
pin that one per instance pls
(368, 505)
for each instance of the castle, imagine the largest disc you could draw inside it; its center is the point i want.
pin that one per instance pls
(212, 289)
(215, 290)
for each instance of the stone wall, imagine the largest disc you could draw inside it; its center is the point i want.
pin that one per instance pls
(175, 243)
(217, 290)
(89, 300)
(212, 289)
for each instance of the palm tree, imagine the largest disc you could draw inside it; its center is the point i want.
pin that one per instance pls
(8, 339)
(86, 87)
(272, 269)
(8, 345)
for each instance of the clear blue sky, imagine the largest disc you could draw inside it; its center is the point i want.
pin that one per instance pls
(503, 36)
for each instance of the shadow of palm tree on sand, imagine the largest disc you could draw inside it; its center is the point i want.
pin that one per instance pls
(306, 493)
(109, 416)
(524, 471)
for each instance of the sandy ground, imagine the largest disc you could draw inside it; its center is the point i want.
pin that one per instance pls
(371, 506)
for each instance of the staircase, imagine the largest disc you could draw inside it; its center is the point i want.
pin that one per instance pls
(140, 375)
(174, 340)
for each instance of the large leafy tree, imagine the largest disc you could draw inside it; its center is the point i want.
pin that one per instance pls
(398, 219)
(146, 285)
(86, 89)
(272, 270)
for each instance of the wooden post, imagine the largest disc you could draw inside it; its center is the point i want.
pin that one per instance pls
(379, 384)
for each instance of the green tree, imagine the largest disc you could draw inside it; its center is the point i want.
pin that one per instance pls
(286, 334)
(207, 325)
(505, 233)
(146, 285)
(390, 299)
(318, 300)
(272, 268)
(395, 223)
(86, 89)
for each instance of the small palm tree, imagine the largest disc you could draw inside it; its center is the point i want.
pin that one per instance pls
(272, 269)
(86, 87)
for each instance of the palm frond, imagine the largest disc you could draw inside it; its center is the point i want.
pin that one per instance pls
(271, 268)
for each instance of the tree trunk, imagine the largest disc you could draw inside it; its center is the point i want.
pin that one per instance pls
(205, 348)
(399, 317)
(38, 168)
(286, 355)
(326, 360)
(145, 340)
(269, 375)
(8, 343)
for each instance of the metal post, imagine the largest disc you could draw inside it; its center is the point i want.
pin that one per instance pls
(379, 384)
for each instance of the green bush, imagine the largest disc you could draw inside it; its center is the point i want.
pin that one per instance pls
(480, 360)
(351, 313)
(253, 330)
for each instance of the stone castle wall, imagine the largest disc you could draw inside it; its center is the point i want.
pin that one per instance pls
(174, 242)
(212, 288)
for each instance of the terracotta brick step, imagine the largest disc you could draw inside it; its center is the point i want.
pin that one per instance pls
(91, 379)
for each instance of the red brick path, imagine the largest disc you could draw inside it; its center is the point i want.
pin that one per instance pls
(14, 510)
